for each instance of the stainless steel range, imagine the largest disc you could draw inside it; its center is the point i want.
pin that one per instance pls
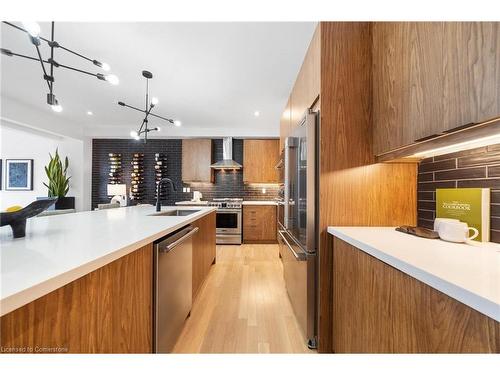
(228, 220)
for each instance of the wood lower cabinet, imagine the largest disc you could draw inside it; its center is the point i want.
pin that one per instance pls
(196, 160)
(259, 224)
(260, 157)
(430, 77)
(204, 249)
(379, 309)
(107, 311)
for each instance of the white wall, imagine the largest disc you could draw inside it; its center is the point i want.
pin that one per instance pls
(21, 142)
(13, 111)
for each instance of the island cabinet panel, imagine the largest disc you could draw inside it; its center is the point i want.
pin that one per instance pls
(107, 311)
(259, 224)
(196, 160)
(430, 77)
(379, 309)
(204, 249)
(260, 157)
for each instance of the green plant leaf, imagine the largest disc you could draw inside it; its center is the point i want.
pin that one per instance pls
(58, 184)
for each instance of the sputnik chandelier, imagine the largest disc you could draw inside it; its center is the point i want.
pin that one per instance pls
(144, 129)
(33, 31)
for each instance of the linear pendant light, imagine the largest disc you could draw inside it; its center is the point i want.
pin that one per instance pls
(144, 129)
(33, 31)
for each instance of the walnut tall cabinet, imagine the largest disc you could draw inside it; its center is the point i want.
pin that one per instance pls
(336, 79)
(379, 86)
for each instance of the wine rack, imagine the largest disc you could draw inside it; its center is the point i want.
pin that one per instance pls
(115, 168)
(137, 190)
(160, 172)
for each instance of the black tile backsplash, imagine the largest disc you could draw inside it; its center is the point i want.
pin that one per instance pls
(228, 184)
(478, 167)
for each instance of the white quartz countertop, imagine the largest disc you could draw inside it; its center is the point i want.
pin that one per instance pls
(60, 249)
(260, 203)
(191, 203)
(467, 273)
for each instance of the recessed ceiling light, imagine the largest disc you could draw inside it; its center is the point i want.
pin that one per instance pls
(256, 113)
(90, 113)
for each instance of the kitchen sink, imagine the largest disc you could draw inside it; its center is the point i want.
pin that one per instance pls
(175, 213)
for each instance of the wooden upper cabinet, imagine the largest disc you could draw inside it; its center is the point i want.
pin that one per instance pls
(285, 125)
(307, 86)
(196, 160)
(305, 91)
(260, 157)
(429, 77)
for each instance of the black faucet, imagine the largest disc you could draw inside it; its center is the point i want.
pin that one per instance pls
(158, 189)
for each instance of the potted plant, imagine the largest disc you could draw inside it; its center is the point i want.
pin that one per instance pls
(59, 182)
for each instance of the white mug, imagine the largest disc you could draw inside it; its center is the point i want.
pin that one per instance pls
(456, 232)
(439, 220)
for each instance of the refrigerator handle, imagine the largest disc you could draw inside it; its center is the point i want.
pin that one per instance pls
(299, 257)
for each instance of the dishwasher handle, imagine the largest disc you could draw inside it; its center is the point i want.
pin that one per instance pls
(167, 246)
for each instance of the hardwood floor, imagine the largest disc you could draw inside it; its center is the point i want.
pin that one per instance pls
(243, 306)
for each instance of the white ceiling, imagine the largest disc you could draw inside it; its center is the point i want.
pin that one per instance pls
(212, 76)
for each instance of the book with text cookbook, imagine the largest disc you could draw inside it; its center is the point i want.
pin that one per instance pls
(469, 205)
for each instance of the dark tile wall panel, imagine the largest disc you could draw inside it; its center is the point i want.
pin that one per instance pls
(478, 167)
(227, 183)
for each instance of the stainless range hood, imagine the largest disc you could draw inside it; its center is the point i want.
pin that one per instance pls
(227, 156)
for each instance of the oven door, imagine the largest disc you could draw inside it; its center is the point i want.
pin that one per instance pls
(228, 221)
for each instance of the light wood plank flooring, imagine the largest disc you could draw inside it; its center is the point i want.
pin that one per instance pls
(243, 306)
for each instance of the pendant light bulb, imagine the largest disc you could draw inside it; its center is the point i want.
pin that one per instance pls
(101, 65)
(111, 78)
(32, 27)
(134, 134)
(154, 100)
(158, 129)
(56, 108)
(177, 123)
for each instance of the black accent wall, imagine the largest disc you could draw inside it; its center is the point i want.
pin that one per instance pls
(228, 184)
(479, 167)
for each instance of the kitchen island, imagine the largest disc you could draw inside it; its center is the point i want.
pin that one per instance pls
(83, 282)
(397, 293)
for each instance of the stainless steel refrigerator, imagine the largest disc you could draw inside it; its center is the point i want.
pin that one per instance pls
(298, 227)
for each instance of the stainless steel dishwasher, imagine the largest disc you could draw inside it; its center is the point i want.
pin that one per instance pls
(173, 256)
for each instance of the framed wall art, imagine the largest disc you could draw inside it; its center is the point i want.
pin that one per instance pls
(19, 174)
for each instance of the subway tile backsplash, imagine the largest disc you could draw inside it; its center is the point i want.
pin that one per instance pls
(478, 167)
(228, 184)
